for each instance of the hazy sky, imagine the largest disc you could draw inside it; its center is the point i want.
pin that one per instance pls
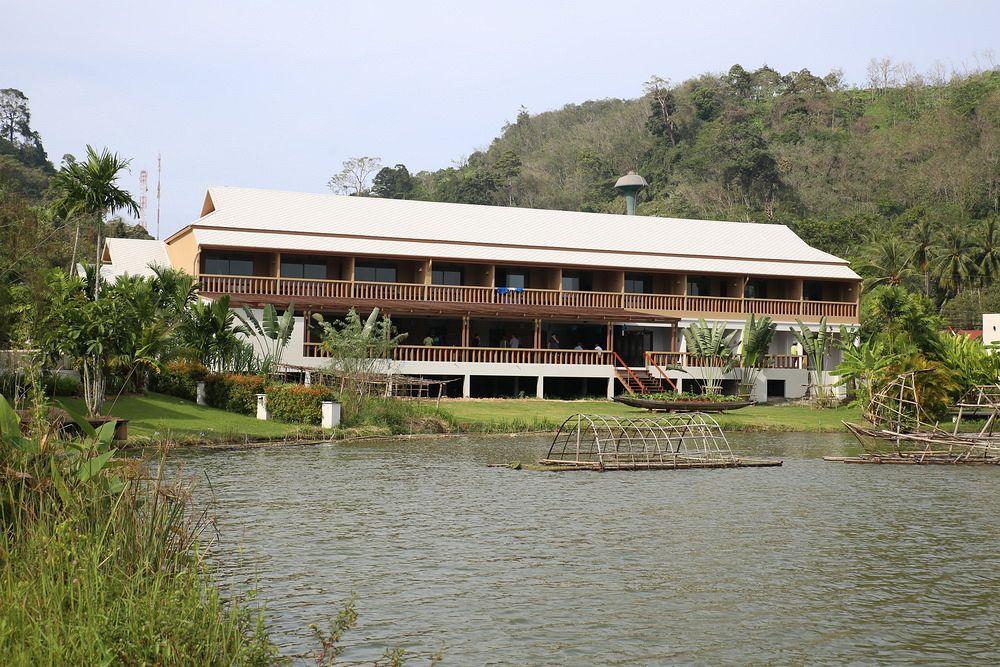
(278, 94)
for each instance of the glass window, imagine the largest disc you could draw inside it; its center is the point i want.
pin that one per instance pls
(447, 275)
(303, 267)
(756, 289)
(228, 265)
(571, 281)
(699, 286)
(371, 272)
(512, 278)
(638, 283)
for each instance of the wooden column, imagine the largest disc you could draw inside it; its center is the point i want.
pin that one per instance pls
(673, 338)
(538, 333)
(465, 331)
(610, 347)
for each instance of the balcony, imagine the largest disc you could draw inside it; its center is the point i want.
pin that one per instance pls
(320, 291)
(507, 355)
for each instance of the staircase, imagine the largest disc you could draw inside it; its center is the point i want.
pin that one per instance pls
(639, 381)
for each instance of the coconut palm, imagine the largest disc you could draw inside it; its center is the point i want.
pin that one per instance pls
(954, 263)
(889, 261)
(88, 189)
(988, 245)
(922, 241)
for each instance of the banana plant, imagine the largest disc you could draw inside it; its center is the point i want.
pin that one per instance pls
(711, 347)
(755, 342)
(816, 346)
(271, 333)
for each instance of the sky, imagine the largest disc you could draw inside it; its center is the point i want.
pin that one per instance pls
(278, 94)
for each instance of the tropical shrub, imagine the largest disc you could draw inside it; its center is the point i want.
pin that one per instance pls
(180, 378)
(235, 393)
(271, 333)
(712, 348)
(296, 403)
(755, 342)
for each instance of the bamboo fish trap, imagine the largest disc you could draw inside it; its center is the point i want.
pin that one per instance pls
(901, 432)
(669, 441)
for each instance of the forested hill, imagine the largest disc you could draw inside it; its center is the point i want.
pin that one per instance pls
(837, 163)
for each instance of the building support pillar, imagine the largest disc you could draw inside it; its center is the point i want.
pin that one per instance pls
(538, 334)
(610, 341)
(466, 386)
(465, 331)
(540, 387)
(611, 388)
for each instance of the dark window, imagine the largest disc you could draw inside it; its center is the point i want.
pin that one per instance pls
(372, 272)
(575, 281)
(756, 289)
(638, 283)
(228, 265)
(699, 286)
(447, 275)
(812, 291)
(303, 267)
(513, 278)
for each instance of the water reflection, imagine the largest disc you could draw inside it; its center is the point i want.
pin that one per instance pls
(811, 562)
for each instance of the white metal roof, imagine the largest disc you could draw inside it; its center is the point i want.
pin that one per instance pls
(133, 257)
(369, 225)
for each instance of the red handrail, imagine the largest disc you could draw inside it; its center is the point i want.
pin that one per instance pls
(629, 369)
(649, 359)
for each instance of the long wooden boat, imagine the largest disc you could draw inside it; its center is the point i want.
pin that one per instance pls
(681, 406)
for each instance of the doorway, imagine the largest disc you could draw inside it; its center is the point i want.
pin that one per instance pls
(632, 343)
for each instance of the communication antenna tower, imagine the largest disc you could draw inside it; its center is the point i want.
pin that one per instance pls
(143, 198)
(158, 172)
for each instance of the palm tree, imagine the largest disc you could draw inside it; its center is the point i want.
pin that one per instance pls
(889, 261)
(989, 250)
(953, 263)
(922, 240)
(88, 189)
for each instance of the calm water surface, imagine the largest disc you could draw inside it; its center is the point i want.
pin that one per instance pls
(812, 562)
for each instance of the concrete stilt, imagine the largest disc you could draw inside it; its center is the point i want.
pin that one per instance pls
(467, 386)
(540, 387)
(611, 388)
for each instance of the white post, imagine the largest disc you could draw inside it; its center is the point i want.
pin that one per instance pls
(611, 388)
(200, 398)
(331, 414)
(467, 386)
(262, 413)
(540, 387)
(308, 379)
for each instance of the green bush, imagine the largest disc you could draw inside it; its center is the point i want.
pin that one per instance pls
(296, 403)
(180, 378)
(235, 393)
(53, 384)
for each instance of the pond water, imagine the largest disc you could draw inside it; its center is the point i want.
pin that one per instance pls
(811, 562)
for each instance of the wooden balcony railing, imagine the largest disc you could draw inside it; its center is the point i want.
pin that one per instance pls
(697, 361)
(299, 288)
(515, 355)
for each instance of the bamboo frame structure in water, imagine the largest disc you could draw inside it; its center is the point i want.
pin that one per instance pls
(669, 441)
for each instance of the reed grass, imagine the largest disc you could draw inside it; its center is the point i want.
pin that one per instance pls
(101, 563)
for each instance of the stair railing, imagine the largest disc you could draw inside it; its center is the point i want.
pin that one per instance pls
(650, 362)
(634, 377)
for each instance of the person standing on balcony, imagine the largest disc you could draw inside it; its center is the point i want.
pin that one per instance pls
(553, 342)
(515, 341)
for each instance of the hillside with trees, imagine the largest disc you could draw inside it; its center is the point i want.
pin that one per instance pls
(901, 175)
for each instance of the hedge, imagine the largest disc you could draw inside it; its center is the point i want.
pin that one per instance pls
(296, 403)
(179, 378)
(234, 393)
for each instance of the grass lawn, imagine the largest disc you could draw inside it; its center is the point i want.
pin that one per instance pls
(473, 413)
(159, 417)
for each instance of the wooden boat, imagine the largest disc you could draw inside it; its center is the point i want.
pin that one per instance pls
(681, 406)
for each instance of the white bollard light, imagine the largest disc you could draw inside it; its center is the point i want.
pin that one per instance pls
(331, 414)
(200, 397)
(262, 413)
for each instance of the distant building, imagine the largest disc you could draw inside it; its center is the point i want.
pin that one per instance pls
(991, 328)
(593, 299)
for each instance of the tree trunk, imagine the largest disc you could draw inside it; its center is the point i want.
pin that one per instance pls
(97, 264)
(76, 243)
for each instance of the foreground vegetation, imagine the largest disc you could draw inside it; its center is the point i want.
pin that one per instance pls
(101, 564)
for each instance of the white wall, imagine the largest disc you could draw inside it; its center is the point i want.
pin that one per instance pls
(991, 328)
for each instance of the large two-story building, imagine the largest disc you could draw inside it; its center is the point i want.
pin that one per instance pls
(511, 300)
